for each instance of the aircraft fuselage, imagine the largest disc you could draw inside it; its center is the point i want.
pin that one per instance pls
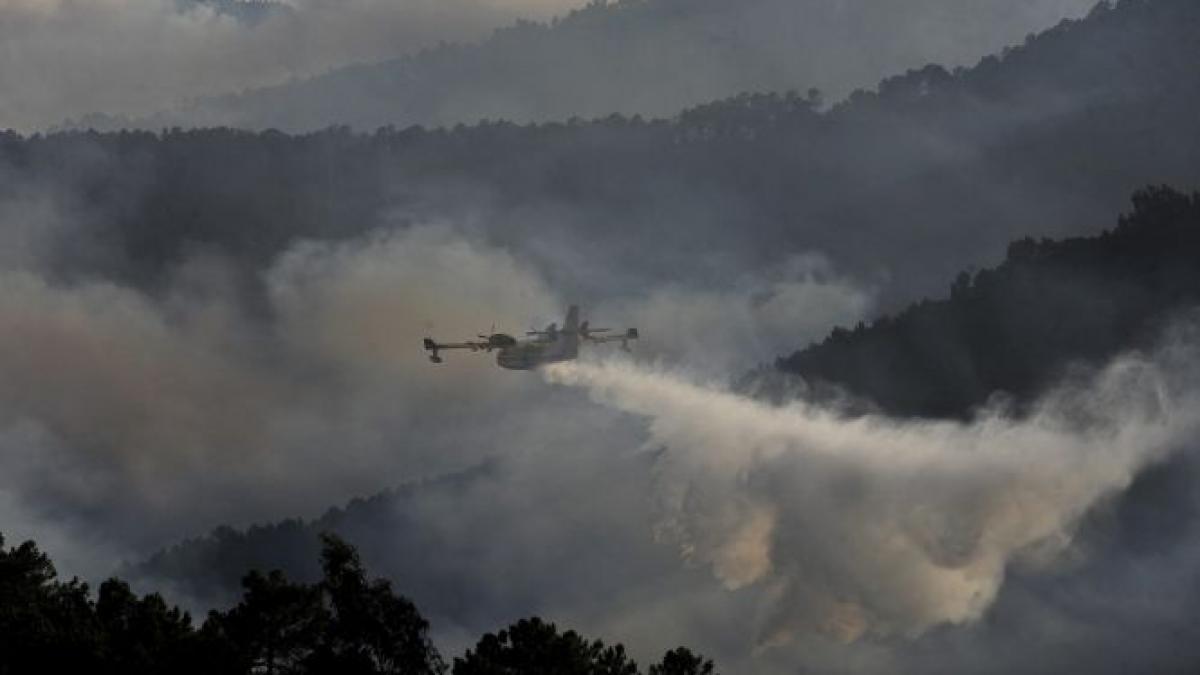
(530, 355)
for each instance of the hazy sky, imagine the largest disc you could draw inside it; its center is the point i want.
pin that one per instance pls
(64, 59)
(67, 58)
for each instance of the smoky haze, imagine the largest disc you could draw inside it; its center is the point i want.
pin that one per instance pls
(224, 328)
(785, 537)
(159, 402)
(772, 536)
(130, 59)
(135, 57)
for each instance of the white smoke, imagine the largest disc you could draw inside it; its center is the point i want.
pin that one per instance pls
(186, 410)
(874, 526)
(189, 407)
(748, 320)
(128, 420)
(136, 57)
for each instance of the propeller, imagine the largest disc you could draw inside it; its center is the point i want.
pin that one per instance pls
(552, 329)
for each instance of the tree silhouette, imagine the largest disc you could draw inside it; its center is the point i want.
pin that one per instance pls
(681, 661)
(371, 630)
(344, 624)
(274, 629)
(45, 625)
(534, 647)
(140, 635)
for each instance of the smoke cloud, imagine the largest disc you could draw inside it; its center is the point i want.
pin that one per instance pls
(749, 320)
(767, 536)
(145, 408)
(135, 57)
(136, 406)
(677, 512)
(872, 527)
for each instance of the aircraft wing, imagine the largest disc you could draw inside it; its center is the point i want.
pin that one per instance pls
(624, 338)
(435, 348)
(438, 346)
(463, 345)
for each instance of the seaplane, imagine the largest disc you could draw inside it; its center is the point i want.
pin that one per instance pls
(538, 347)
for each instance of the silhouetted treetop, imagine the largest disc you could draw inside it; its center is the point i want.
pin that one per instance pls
(681, 661)
(534, 647)
(346, 623)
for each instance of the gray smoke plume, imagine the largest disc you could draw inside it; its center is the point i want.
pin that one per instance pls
(135, 57)
(678, 512)
(147, 416)
(130, 59)
(878, 527)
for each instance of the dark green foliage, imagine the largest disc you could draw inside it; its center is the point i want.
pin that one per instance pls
(371, 630)
(45, 625)
(274, 628)
(1015, 329)
(140, 634)
(682, 661)
(345, 624)
(50, 626)
(534, 647)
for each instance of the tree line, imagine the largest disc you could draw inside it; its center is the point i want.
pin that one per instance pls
(935, 169)
(1016, 329)
(345, 623)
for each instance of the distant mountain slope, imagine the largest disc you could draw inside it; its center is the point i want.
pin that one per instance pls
(649, 57)
(1016, 328)
(210, 567)
(899, 189)
(470, 550)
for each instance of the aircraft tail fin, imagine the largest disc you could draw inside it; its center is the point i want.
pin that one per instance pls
(571, 325)
(570, 332)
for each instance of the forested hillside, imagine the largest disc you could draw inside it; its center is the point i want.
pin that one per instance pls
(899, 188)
(649, 57)
(1015, 329)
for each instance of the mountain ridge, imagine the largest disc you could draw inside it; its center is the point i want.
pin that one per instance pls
(1014, 330)
(647, 57)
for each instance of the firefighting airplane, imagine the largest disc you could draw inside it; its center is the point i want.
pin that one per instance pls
(540, 347)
